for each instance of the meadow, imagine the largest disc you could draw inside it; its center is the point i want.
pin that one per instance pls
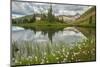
(33, 53)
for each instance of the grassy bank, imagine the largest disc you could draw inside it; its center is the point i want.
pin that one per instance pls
(51, 26)
(33, 53)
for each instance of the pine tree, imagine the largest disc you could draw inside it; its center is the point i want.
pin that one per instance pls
(43, 17)
(13, 21)
(50, 15)
(32, 19)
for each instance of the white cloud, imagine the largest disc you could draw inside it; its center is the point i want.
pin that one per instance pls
(26, 8)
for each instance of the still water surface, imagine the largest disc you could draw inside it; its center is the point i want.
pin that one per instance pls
(68, 35)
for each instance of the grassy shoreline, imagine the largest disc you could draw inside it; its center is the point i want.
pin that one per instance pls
(52, 25)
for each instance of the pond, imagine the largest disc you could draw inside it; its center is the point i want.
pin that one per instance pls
(67, 35)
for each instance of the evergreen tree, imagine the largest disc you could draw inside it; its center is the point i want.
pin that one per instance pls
(62, 20)
(25, 20)
(43, 17)
(13, 21)
(32, 19)
(50, 15)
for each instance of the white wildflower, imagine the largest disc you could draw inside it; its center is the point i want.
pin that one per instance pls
(58, 52)
(62, 56)
(45, 53)
(13, 59)
(36, 58)
(20, 62)
(47, 61)
(72, 58)
(63, 50)
(76, 53)
(64, 59)
(88, 52)
(66, 56)
(67, 53)
(53, 54)
(84, 52)
(43, 61)
(16, 61)
(57, 58)
(30, 57)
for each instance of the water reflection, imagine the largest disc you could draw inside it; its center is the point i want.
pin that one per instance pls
(67, 35)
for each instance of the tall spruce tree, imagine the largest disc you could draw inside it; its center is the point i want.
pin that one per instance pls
(50, 15)
(32, 19)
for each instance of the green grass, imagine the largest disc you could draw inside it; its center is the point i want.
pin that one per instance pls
(34, 53)
(44, 25)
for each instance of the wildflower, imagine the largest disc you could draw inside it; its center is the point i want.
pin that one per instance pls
(47, 61)
(66, 56)
(53, 54)
(79, 60)
(45, 53)
(79, 47)
(67, 53)
(43, 61)
(57, 58)
(63, 50)
(20, 62)
(91, 41)
(27, 58)
(13, 59)
(61, 56)
(30, 57)
(72, 58)
(16, 61)
(88, 52)
(84, 43)
(44, 57)
(64, 60)
(58, 52)
(84, 52)
(76, 53)
(70, 48)
(93, 49)
(36, 58)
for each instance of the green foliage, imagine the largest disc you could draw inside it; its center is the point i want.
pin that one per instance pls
(32, 19)
(13, 21)
(43, 17)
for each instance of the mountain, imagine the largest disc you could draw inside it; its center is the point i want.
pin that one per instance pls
(87, 18)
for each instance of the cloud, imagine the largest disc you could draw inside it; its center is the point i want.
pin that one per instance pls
(69, 9)
(26, 8)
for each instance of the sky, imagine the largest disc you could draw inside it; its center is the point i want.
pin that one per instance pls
(20, 9)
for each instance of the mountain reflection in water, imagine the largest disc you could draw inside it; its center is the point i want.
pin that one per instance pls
(67, 35)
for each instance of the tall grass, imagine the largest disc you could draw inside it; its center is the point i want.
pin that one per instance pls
(28, 53)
